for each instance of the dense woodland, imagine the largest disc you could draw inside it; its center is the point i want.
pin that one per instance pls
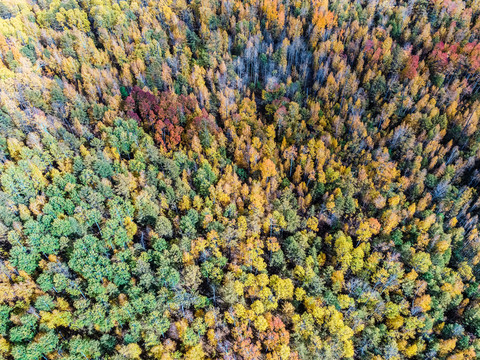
(225, 179)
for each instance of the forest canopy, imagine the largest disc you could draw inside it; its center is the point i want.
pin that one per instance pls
(239, 180)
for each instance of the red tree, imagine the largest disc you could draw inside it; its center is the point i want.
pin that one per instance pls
(166, 114)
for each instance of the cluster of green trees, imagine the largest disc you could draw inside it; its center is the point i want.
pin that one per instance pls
(239, 180)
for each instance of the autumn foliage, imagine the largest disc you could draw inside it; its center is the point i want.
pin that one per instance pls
(263, 180)
(166, 115)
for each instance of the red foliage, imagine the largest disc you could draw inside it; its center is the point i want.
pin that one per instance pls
(369, 46)
(410, 70)
(165, 114)
(473, 52)
(376, 56)
(243, 345)
(203, 122)
(275, 335)
(440, 55)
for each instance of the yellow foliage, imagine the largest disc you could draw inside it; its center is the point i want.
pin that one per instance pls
(260, 323)
(83, 151)
(348, 349)
(262, 280)
(258, 307)
(130, 227)
(24, 212)
(160, 352)
(394, 201)
(187, 258)
(62, 304)
(321, 258)
(299, 273)
(4, 346)
(210, 318)
(453, 222)
(357, 260)
(412, 275)
(272, 244)
(345, 301)
(56, 318)
(319, 313)
(284, 351)
(442, 246)
(238, 287)
(395, 323)
(312, 223)
(423, 302)
(411, 351)
(229, 318)
(465, 271)
(283, 288)
(195, 353)
(446, 346)
(300, 293)
(239, 310)
(131, 351)
(424, 225)
(250, 281)
(211, 337)
(338, 278)
(14, 148)
(185, 203)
